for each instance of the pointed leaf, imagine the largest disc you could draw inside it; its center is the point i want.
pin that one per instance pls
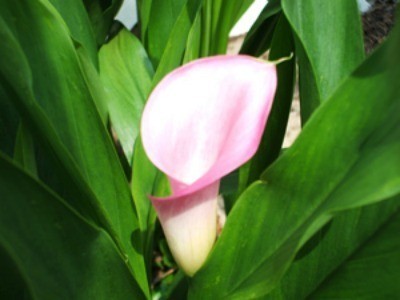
(282, 46)
(329, 154)
(315, 22)
(224, 15)
(57, 253)
(163, 16)
(24, 152)
(75, 16)
(101, 14)
(48, 69)
(126, 74)
(379, 258)
(175, 46)
(259, 38)
(347, 233)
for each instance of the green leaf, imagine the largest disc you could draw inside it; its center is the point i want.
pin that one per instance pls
(282, 46)
(220, 18)
(144, 174)
(9, 122)
(101, 14)
(57, 253)
(75, 16)
(174, 49)
(144, 10)
(324, 253)
(370, 273)
(325, 64)
(193, 44)
(259, 38)
(48, 69)
(146, 180)
(163, 16)
(271, 143)
(126, 74)
(24, 152)
(309, 183)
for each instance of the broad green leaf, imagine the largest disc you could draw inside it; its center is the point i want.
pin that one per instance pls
(24, 152)
(329, 34)
(324, 253)
(370, 273)
(94, 85)
(50, 88)
(9, 122)
(101, 14)
(174, 49)
(259, 38)
(66, 174)
(126, 74)
(57, 253)
(163, 16)
(356, 130)
(75, 16)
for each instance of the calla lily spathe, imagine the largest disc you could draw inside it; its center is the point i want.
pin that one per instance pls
(201, 122)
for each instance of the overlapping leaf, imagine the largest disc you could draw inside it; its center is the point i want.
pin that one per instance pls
(329, 45)
(330, 247)
(126, 74)
(259, 38)
(50, 91)
(75, 16)
(220, 18)
(163, 16)
(55, 252)
(355, 131)
(101, 14)
(174, 48)
(379, 259)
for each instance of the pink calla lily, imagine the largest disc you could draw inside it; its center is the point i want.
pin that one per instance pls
(200, 123)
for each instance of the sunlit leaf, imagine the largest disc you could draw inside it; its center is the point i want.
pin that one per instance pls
(50, 91)
(126, 74)
(286, 208)
(330, 45)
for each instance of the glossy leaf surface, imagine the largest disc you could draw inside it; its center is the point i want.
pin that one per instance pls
(368, 135)
(71, 126)
(330, 248)
(75, 16)
(174, 49)
(126, 74)
(57, 253)
(379, 258)
(321, 64)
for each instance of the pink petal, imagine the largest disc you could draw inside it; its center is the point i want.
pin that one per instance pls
(206, 118)
(201, 122)
(190, 225)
